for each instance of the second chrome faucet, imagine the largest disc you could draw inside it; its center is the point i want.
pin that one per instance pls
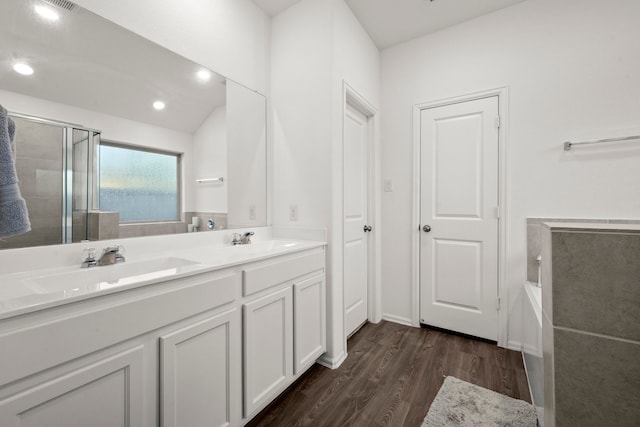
(110, 255)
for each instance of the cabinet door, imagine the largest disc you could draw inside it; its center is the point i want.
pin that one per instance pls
(107, 393)
(200, 373)
(268, 347)
(309, 341)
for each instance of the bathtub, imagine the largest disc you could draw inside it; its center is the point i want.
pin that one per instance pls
(532, 344)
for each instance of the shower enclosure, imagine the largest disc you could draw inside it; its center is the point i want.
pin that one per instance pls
(56, 165)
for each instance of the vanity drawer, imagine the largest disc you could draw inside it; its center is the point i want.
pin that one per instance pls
(258, 277)
(49, 338)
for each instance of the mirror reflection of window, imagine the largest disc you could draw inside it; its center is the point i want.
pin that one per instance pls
(142, 185)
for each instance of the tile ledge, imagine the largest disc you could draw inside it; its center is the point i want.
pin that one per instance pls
(588, 226)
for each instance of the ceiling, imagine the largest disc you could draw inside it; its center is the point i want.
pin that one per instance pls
(88, 62)
(274, 7)
(390, 22)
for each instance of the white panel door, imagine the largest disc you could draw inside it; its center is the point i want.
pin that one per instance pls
(459, 224)
(268, 347)
(200, 373)
(310, 326)
(355, 219)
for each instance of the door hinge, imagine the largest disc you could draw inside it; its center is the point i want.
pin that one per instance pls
(498, 212)
(498, 122)
(498, 303)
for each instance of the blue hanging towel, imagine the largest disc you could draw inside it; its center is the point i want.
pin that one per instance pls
(14, 217)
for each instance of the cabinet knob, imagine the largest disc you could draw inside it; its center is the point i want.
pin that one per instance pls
(367, 228)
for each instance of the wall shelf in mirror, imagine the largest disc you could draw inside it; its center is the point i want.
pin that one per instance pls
(201, 180)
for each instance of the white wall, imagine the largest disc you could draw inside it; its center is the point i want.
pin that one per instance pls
(573, 72)
(315, 45)
(210, 161)
(246, 151)
(301, 109)
(301, 116)
(230, 37)
(356, 59)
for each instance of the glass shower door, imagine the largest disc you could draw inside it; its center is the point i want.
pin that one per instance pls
(56, 166)
(81, 173)
(77, 172)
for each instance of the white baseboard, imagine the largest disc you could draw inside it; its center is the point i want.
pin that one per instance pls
(332, 363)
(514, 345)
(397, 319)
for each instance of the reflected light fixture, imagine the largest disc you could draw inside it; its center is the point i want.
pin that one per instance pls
(22, 68)
(46, 12)
(204, 75)
(159, 105)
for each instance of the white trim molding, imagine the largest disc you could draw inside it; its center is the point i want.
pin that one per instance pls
(332, 363)
(503, 110)
(374, 285)
(397, 319)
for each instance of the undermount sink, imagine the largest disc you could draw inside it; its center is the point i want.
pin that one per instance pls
(81, 280)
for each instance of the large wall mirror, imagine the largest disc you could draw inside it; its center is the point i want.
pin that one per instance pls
(119, 137)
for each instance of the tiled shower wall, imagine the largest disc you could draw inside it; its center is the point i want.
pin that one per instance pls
(533, 238)
(39, 168)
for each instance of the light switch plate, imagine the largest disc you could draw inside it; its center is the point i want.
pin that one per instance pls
(293, 212)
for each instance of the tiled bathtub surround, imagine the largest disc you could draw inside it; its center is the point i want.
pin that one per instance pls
(104, 225)
(533, 238)
(219, 219)
(591, 323)
(159, 228)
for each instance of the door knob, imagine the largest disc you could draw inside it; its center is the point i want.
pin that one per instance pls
(426, 228)
(367, 228)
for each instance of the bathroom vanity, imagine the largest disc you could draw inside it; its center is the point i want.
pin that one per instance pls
(209, 336)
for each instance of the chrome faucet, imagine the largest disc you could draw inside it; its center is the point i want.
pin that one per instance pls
(111, 255)
(89, 258)
(242, 238)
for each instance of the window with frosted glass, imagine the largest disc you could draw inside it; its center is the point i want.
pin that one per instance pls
(141, 185)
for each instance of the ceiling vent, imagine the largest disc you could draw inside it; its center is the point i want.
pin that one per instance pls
(62, 4)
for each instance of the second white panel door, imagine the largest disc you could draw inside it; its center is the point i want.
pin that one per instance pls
(458, 209)
(355, 219)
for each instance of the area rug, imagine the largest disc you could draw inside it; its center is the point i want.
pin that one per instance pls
(459, 403)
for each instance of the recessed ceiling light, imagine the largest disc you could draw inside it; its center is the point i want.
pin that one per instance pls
(46, 12)
(23, 69)
(158, 105)
(204, 75)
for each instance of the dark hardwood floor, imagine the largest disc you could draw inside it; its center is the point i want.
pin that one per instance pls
(391, 376)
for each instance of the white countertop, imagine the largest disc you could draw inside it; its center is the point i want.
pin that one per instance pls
(34, 290)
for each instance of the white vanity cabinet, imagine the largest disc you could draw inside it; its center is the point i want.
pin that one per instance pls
(268, 347)
(199, 368)
(284, 324)
(102, 361)
(310, 332)
(103, 393)
(211, 348)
